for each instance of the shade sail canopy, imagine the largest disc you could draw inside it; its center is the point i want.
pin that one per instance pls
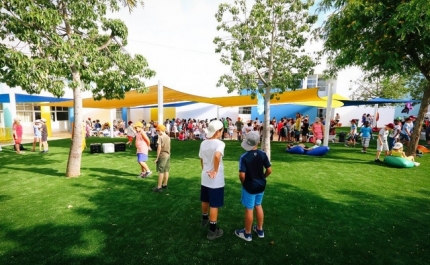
(307, 97)
(25, 98)
(376, 101)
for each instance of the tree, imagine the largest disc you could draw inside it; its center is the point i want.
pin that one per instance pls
(265, 49)
(389, 37)
(371, 86)
(131, 3)
(53, 45)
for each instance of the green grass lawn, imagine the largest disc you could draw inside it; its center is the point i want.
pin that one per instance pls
(338, 209)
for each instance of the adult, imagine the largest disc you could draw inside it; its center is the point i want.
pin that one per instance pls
(305, 130)
(318, 129)
(297, 127)
(130, 133)
(163, 158)
(44, 135)
(239, 126)
(17, 135)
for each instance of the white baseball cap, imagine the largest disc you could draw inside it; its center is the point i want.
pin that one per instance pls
(213, 127)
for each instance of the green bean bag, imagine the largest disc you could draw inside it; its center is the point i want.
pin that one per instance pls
(398, 162)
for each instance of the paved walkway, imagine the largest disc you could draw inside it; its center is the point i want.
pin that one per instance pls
(26, 139)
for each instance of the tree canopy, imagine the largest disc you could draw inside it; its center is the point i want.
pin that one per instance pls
(264, 47)
(53, 45)
(388, 37)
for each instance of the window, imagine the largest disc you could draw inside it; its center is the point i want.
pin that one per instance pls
(118, 115)
(59, 113)
(244, 110)
(312, 81)
(322, 85)
(25, 112)
(1, 112)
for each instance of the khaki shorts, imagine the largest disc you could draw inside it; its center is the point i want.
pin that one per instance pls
(163, 165)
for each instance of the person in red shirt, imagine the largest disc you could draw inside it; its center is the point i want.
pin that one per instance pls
(17, 135)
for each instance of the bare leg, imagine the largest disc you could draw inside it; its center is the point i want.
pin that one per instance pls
(144, 166)
(205, 207)
(166, 178)
(213, 214)
(249, 216)
(260, 216)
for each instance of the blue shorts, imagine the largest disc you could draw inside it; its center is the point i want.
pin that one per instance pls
(215, 197)
(251, 200)
(404, 136)
(142, 157)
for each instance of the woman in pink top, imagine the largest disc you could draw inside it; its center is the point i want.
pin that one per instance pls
(318, 129)
(142, 146)
(17, 135)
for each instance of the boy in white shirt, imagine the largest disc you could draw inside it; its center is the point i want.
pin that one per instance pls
(212, 177)
(382, 142)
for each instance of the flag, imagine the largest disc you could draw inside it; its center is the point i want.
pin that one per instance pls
(260, 104)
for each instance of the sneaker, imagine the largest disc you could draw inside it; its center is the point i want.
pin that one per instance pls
(377, 160)
(346, 145)
(142, 175)
(214, 235)
(205, 222)
(148, 173)
(164, 187)
(156, 189)
(417, 164)
(362, 151)
(260, 233)
(241, 233)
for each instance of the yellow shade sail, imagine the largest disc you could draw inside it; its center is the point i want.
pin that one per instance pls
(308, 97)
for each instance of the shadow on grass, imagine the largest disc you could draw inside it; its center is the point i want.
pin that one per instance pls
(129, 224)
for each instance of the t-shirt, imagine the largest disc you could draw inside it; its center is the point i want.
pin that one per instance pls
(383, 134)
(206, 153)
(36, 130)
(164, 142)
(395, 132)
(407, 127)
(365, 132)
(239, 125)
(44, 130)
(141, 143)
(130, 131)
(353, 130)
(253, 163)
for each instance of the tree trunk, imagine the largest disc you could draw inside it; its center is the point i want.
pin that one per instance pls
(75, 153)
(411, 150)
(266, 123)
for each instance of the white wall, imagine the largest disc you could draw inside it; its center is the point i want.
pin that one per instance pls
(204, 111)
(386, 114)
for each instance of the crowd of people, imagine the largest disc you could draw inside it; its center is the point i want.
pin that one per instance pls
(390, 139)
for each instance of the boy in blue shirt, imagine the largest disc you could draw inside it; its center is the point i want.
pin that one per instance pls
(365, 133)
(254, 168)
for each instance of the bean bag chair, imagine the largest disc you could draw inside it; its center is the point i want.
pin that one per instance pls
(423, 149)
(398, 162)
(319, 151)
(296, 150)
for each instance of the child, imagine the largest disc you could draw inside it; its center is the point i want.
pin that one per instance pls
(130, 133)
(352, 133)
(254, 168)
(181, 136)
(398, 152)
(163, 159)
(142, 146)
(230, 130)
(37, 136)
(365, 133)
(382, 143)
(212, 178)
